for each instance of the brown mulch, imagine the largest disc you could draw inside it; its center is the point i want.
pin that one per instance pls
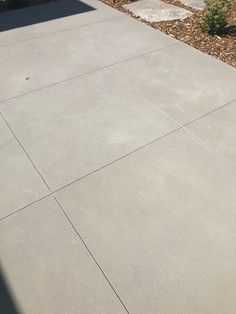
(189, 31)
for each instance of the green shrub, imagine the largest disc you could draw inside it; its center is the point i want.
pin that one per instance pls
(214, 17)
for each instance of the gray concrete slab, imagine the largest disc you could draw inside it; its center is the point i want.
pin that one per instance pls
(73, 128)
(60, 56)
(36, 21)
(47, 267)
(162, 223)
(92, 120)
(180, 80)
(219, 130)
(195, 4)
(157, 11)
(20, 184)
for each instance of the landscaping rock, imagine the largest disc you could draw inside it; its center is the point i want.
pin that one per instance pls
(157, 11)
(195, 4)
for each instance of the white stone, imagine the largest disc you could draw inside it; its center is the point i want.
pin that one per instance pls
(195, 4)
(157, 11)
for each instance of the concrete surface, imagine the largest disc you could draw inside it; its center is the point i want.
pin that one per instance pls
(20, 184)
(162, 224)
(65, 15)
(41, 263)
(84, 129)
(65, 54)
(195, 4)
(117, 167)
(218, 129)
(157, 11)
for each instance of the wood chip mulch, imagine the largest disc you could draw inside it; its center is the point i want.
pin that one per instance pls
(222, 47)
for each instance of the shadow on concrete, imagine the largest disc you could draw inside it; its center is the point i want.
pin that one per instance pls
(7, 304)
(41, 13)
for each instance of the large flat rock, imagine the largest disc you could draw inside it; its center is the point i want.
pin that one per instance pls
(157, 11)
(195, 4)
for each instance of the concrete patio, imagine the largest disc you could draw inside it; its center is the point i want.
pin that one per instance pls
(118, 167)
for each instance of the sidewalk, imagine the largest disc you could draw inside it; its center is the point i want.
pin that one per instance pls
(118, 171)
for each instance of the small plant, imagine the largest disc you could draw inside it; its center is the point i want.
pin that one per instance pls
(214, 17)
